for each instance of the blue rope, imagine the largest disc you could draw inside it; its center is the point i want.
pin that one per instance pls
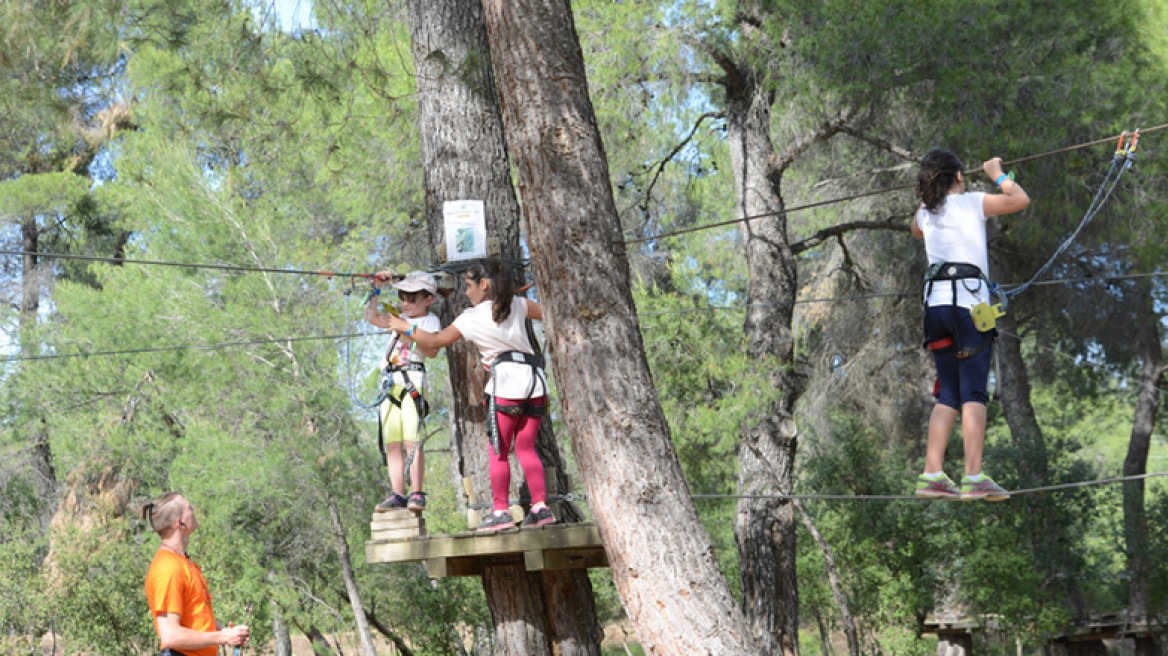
(384, 392)
(1121, 163)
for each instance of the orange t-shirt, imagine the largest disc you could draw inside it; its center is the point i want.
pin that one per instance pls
(175, 584)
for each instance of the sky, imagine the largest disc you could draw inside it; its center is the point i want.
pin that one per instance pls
(293, 14)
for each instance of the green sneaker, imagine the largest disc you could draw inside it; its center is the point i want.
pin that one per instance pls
(986, 489)
(942, 488)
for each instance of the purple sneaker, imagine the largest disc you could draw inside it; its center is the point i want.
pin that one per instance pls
(392, 502)
(942, 488)
(986, 489)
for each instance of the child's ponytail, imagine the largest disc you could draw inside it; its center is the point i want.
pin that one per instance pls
(939, 171)
(502, 286)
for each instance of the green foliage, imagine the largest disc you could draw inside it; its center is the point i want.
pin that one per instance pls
(261, 148)
(96, 590)
(23, 613)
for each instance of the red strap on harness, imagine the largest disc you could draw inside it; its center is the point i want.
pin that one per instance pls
(941, 344)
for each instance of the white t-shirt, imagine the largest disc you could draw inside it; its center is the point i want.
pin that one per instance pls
(956, 232)
(509, 380)
(405, 350)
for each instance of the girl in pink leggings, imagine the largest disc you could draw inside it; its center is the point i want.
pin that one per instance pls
(517, 389)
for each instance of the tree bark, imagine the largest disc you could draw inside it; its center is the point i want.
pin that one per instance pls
(662, 559)
(465, 157)
(281, 638)
(765, 530)
(518, 610)
(1136, 463)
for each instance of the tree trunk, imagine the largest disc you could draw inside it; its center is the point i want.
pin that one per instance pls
(342, 545)
(765, 530)
(320, 644)
(1136, 463)
(280, 636)
(955, 644)
(465, 157)
(662, 559)
(515, 598)
(40, 453)
(1050, 549)
(837, 588)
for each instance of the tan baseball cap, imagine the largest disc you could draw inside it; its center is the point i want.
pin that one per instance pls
(418, 281)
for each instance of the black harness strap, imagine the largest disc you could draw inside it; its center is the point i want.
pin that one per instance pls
(525, 408)
(420, 403)
(954, 272)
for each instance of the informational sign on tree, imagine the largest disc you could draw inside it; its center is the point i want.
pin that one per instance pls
(466, 229)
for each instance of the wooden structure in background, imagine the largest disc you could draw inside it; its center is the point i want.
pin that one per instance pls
(1082, 638)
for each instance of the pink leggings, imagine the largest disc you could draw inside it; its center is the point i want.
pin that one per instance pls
(524, 429)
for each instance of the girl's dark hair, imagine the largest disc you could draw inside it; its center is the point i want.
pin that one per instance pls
(939, 171)
(502, 288)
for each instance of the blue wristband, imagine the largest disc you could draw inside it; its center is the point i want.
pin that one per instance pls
(410, 332)
(376, 292)
(1001, 178)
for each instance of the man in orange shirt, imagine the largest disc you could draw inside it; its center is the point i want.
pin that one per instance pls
(176, 591)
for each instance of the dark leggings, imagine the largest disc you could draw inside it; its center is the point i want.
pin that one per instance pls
(524, 429)
(958, 381)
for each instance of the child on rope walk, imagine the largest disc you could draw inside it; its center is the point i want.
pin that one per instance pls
(952, 224)
(517, 388)
(403, 409)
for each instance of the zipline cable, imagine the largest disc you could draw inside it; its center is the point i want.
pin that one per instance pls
(188, 347)
(837, 299)
(865, 194)
(189, 265)
(449, 267)
(870, 497)
(864, 297)
(907, 497)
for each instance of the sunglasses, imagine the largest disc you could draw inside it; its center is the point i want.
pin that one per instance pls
(411, 297)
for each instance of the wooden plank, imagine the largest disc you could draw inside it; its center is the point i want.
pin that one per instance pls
(439, 568)
(397, 533)
(392, 514)
(563, 559)
(416, 523)
(462, 545)
(533, 561)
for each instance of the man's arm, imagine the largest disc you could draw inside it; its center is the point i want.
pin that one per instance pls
(176, 636)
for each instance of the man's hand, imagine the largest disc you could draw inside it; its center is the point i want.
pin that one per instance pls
(235, 635)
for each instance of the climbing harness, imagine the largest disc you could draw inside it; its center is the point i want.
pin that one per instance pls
(526, 408)
(959, 273)
(421, 406)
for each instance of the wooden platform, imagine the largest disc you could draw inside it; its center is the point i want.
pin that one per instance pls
(554, 547)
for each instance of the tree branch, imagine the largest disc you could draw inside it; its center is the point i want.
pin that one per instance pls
(833, 576)
(780, 163)
(400, 644)
(842, 228)
(660, 166)
(902, 153)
